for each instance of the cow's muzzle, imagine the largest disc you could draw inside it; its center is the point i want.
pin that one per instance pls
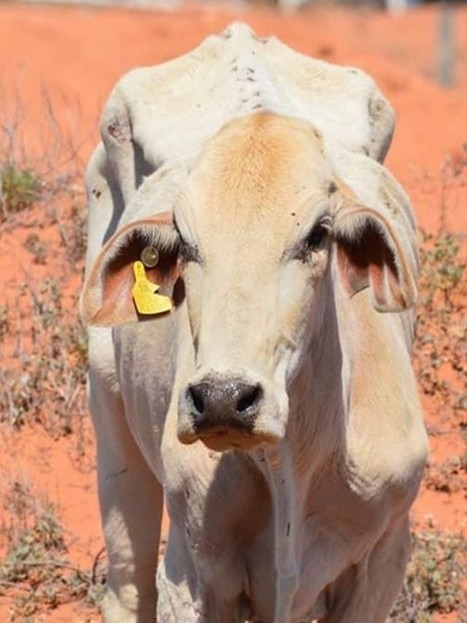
(222, 411)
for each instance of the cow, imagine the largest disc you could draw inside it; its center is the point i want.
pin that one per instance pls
(249, 290)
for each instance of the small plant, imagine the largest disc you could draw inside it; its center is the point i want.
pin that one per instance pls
(4, 321)
(43, 376)
(447, 476)
(19, 189)
(37, 248)
(439, 355)
(441, 271)
(35, 573)
(73, 232)
(433, 579)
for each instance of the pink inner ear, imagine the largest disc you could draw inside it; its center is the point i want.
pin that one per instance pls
(385, 288)
(366, 259)
(117, 302)
(354, 277)
(107, 299)
(107, 296)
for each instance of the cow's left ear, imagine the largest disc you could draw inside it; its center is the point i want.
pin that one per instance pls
(376, 252)
(106, 298)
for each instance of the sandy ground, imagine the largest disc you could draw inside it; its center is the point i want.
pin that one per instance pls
(75, 55)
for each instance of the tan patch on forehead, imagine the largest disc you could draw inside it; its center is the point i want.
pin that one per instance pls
(255, 163)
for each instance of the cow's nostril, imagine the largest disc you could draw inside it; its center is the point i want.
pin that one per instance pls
(196, 395)
(251, 396)
(222, 402)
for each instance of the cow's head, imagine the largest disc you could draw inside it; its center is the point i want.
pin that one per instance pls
(261, 232)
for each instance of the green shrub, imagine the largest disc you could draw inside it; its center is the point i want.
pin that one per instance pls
(20, 188)
(433, 579)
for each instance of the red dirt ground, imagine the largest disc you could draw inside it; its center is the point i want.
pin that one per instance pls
(77, 54)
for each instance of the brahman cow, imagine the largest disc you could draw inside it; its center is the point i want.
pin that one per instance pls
(257, 265)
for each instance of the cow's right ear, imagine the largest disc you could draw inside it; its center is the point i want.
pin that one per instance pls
(106, 299)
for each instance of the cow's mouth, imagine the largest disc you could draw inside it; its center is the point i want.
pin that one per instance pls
(222, 438)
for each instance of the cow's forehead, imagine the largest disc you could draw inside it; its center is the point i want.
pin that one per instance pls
(260, 174)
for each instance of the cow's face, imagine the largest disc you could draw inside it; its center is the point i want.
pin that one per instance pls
(254, 228)
(253, 233)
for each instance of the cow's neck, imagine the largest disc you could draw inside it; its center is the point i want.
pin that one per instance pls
(314, 443)
(317, 395)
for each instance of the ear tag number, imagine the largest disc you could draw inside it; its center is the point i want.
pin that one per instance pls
(147, 302)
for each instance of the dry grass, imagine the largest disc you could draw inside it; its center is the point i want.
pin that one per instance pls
(42, 343)
(35, 573)
(44, 351)
(439, 356)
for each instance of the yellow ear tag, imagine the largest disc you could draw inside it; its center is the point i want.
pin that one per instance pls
(147, 302)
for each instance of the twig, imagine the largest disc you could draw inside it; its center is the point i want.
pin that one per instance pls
(57, 564)
(95, 565)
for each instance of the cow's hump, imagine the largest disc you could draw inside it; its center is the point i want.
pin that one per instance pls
(175, 107)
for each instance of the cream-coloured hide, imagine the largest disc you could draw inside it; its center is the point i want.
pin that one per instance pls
(274, 408)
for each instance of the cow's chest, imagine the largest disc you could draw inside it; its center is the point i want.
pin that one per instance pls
(224, 513)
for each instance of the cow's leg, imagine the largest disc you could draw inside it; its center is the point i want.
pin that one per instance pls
(176, 582)
(131, 507)
(366, 592)
(197, 591)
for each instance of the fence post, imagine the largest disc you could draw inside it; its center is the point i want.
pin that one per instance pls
(446, 46)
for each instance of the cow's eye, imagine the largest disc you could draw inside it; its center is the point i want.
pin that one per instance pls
(317, 237)
(186, 251)
(314, 241)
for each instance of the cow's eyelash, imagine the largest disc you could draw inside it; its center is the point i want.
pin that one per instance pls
(187, 251)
